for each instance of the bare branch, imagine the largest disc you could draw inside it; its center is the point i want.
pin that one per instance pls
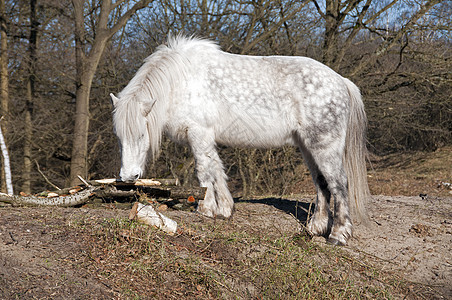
(275, 27)
(384, 47)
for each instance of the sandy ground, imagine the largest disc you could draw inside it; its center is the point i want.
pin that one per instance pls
(42, 257)
(413, 236)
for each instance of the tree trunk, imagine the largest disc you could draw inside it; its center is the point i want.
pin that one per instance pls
(86, 68)
(28, 134)
(80, 140)
(331, 31)
(335, 14)
(4, 63)
(4, 91)
(7, 168)
(86, 65)
(28, 130)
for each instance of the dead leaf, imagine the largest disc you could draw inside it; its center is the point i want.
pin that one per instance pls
(162, 207)
(420, 230)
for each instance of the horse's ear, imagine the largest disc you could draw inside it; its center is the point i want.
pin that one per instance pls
(114, 99)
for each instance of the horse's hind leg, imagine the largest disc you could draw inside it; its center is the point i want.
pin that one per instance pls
(330, 178)
(218, 200)
(329, 162)
(321, 221)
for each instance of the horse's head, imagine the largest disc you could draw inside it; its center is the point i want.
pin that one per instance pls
(131, 127)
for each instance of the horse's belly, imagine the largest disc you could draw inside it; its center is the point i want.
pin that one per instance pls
(254, 135)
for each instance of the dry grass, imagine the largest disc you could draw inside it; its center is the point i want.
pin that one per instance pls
(256, 255)
(209, 261)
(411, 174)
(216, 260)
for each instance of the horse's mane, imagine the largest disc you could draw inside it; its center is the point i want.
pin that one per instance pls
(150, 90)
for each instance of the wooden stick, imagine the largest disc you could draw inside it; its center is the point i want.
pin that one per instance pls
(139, 182)
(45, 177)
(83, 180)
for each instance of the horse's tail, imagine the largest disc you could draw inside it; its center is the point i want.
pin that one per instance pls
(356, 154)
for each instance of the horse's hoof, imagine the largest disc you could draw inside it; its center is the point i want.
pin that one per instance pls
(205, 214)
(212, 216)
(334, 242)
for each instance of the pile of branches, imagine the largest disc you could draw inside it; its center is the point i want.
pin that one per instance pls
(167, 191)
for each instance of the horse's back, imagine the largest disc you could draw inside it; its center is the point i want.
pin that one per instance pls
(260, 101)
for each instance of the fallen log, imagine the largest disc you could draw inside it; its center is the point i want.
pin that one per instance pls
(174, 196)
(64, 201)
(60, 192)
(173, 192)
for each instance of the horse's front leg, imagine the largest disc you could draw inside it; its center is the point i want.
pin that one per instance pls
(218, 200)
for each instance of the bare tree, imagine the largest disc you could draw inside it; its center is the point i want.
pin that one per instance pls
(345, 19)
(406, 84)
(31, 94)
(87, 60)
(391, 41)
(4, 81)
(4, 90)
(267, 18)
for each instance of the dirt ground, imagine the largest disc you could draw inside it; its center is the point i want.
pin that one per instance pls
(410, 235)
(42, 256)
(46, 253)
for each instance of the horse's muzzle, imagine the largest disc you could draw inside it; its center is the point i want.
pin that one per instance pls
(129, 178)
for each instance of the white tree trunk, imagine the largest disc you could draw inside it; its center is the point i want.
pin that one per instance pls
(8, 177)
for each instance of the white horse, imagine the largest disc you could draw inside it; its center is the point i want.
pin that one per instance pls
(195, 93)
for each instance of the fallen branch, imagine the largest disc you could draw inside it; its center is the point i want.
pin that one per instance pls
(44, 176)
(139, 182)
(166, 192)
(64, 201)
(174, 196)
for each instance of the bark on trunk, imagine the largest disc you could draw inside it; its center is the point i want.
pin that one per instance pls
(28, 132)
(4, 90)
(80, 140)
(331, 31)
(7, 167)
(86, 65)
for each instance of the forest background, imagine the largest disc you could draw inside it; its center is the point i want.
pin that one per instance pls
(61, 59)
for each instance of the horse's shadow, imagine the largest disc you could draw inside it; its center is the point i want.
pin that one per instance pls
(302, 210)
